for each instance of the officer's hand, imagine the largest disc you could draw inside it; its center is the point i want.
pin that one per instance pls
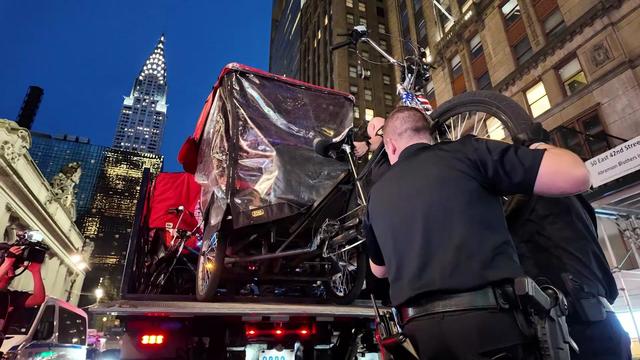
(361, 148)
(535, 134)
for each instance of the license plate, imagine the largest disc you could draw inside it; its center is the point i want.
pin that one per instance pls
(276, 355)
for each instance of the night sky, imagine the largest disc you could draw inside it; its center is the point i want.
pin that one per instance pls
(86, 55)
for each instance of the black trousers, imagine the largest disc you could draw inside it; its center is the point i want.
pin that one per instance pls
(469, 335)
(600, 340)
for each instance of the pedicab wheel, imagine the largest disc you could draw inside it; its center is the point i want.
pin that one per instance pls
(210, 265)
(345, 285)
(486, 114)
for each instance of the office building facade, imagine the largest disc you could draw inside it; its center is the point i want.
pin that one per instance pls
(109, 222)
(318, 26)
(52, 153)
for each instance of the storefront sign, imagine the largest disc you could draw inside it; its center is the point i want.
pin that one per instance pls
(615, 163)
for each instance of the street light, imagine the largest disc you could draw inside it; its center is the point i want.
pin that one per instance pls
(99, 294)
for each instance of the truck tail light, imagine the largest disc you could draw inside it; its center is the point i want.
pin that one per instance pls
(154, 339)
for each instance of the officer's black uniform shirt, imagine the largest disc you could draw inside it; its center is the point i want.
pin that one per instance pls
(559, 235)
(436, 218)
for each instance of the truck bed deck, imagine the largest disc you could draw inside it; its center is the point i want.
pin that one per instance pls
(193, 308)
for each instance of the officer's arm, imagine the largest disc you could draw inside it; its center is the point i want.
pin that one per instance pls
(374, 251)
(561, 172)
(379, 271)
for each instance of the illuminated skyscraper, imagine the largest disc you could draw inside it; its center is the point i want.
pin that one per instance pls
(109, 222)
(144, 111)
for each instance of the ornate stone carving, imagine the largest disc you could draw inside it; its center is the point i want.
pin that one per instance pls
(87, 249)
(600, 54)
(15, 141)
(63, 187)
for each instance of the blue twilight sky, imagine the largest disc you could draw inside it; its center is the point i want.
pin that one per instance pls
(86, 55)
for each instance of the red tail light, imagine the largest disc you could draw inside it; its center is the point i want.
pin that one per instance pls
(278, 331)
(251, 332)
(303, 332)
(152, 339)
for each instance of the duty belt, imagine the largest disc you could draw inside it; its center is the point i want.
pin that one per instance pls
(473, 300)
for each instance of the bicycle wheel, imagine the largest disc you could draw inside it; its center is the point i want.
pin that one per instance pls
(486, 114)
(210, 264)
(345, 285)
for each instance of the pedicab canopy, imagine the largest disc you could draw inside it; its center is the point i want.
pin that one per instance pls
(253, 147)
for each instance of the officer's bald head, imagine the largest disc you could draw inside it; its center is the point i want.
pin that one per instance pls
(404, 127)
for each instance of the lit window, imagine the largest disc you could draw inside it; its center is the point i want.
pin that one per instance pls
(353, 71)
(326, 19)
(353, 89)
(368, 95)
(386, 79)
(368, 114)
(363, 22)
(537, 99)
(362, 6)
(383, 45)
(388, 99)
(349, 3)
(350, 19)
(382, 29)
(356, 112)
(319, 34)
(365, 54)
(572, 76)
(511, 11)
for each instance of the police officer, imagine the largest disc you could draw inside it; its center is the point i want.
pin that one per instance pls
(437, 230)
(557, 243)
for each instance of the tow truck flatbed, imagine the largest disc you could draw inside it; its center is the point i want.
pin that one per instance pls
(245, 309)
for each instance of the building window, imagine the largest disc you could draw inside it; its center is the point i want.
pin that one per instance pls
(522, 50)
(368, 95)
(388, 99)
(383, 45)
(479, 64)
(511, 11)
(368, 114)
(362, 6)
(353, 71)
(550, 16)
(382, 29)
(586, 137)
(353, 89)
(464, 5)
(380, 11)
(572, 76)
(386, 79)
(356, 112)
(350, 19)
(457, 76)
(476, 47)
(365, 54)
(363, 22)
(537, 99)
(349, 3)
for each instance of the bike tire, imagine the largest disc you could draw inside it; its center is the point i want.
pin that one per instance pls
(156, 283)
(206, 289)
(512, 116)
(360, 276)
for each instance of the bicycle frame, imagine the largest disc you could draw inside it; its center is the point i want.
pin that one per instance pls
(307, 218)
